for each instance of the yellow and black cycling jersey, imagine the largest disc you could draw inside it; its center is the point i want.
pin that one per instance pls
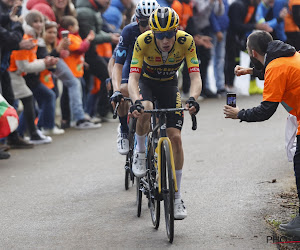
(149, 60)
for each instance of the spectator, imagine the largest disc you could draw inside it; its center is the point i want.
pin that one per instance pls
(11, 34)
(219, 26)
(241, 22)
(89, 19)
(114, 14)
(292, 24)
(282, 85)
(273, 13)
(25, 65)
(77, 48)
(197, 25)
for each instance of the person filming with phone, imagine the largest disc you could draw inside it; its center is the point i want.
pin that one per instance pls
(281, 64)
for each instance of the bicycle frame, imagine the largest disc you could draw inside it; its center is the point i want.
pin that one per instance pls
(163, 136)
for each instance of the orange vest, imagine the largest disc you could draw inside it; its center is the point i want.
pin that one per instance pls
(46, 79)
(22, 55)
(75, 61)
(289, 24)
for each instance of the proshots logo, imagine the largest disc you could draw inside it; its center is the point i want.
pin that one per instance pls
(280, 240)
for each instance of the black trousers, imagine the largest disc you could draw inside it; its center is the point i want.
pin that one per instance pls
(297, 166)
(232, 58)
(98, 68)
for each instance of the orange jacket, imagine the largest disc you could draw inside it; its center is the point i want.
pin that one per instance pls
(75, 60)
(289, 24)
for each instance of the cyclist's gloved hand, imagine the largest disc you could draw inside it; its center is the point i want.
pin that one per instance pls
(192, 102)
(136, 106)
(116, 97)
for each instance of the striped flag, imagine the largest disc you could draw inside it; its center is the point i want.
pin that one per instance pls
(9, 119)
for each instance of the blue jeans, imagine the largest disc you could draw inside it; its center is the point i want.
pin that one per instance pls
(46, 100)
(63, 73)
(218, 55)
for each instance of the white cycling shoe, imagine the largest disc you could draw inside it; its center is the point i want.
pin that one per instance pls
(123, 143)
(179, 209)
(139, 164)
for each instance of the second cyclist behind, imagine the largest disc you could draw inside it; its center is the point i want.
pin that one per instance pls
(120, 73)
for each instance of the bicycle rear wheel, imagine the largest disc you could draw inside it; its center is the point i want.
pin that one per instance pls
(139, 194)
(153, 196)
(167, 189)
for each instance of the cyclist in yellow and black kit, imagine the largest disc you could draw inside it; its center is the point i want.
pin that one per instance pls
(157, 56)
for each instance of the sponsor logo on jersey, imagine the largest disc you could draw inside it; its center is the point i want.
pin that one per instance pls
(135, 70)
(171, 60)
(181, 40)
(137, 46)
(194, 60)
(191, 46)
(150, 58)
(134, 61)
(193, 69)
(178, 103)
(157, 59)
(148, 39)
(121, 53)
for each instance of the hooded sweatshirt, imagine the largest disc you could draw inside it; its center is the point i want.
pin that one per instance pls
(89, 18)
(282, 83)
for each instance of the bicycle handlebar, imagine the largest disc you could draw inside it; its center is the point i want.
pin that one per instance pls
(171, 110)
(115, 114)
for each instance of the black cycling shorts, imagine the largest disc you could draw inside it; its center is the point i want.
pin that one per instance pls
(166, 95)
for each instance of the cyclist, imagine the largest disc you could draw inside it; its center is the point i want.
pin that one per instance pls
(120, 73)
(156, 58)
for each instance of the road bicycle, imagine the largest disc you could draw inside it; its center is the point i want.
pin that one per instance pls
(159, 183)
(129, 176)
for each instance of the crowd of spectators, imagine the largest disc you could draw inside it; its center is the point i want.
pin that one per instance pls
(72, 41)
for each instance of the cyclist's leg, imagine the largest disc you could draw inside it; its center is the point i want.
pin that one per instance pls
(142, 129)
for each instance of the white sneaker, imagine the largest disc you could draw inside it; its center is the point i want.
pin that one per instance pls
(179, 209)
(40, 139)
(123, 143)
(139, 164)
(54, 131)
(86, 124)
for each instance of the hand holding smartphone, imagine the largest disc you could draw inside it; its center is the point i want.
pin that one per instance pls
(65, 33)
(231, 99)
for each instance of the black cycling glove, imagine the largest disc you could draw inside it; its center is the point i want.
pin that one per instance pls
(192, 102)
(116, 97)
(136, 106)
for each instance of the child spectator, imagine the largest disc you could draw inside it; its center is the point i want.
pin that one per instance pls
(77, 49)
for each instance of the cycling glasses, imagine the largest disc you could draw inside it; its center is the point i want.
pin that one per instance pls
(144, 23)
(165, 34)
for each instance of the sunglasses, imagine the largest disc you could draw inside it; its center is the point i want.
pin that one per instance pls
(144, 23)
(165, 34)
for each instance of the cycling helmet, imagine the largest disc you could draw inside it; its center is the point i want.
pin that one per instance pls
(164, 19)
(144, 8)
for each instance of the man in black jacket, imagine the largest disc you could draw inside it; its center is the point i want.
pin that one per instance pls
(281, 64)
(11, 34)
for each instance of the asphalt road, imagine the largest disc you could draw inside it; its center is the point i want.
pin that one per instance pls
(70, 194)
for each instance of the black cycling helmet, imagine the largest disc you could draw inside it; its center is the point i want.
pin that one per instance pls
(164, 19)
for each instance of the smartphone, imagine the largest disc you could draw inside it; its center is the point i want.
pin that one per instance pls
(64, 33)
(231, 99)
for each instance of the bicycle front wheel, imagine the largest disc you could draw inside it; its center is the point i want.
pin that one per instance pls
(153, 196)
(167, 189)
